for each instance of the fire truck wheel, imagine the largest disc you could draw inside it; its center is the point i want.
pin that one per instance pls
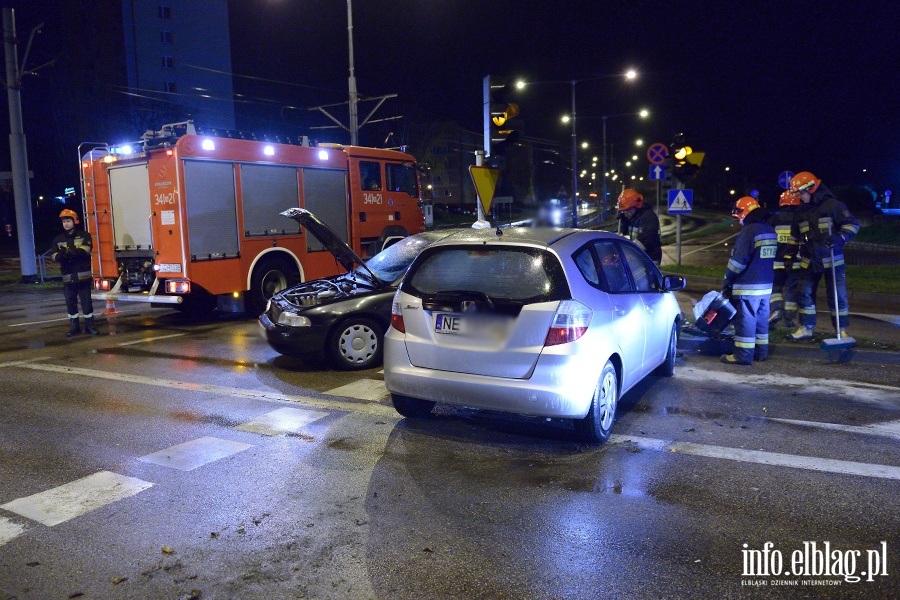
(356, 344)
(270, 276)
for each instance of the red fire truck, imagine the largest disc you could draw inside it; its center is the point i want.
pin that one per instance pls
(192, 220)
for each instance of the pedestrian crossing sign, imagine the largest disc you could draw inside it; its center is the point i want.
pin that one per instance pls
(681, 202)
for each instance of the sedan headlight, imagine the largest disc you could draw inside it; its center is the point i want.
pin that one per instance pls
(292, 319)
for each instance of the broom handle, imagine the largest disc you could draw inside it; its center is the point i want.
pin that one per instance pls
(837, 312)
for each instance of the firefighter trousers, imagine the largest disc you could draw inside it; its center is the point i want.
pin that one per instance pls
(784, 292)
(75, 292)
(806, 296)
(751, 328)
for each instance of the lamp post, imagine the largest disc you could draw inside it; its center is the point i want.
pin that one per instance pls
(643, 114)
(630, 74)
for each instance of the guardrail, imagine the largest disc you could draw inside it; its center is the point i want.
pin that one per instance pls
(46, 272)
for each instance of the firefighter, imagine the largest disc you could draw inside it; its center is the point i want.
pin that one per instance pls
(824, 225)
(640, 224)
(72, 250)
(784, 287)
(748, 282)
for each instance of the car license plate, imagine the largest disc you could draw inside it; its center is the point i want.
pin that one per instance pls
(476, 326)
(444, 323)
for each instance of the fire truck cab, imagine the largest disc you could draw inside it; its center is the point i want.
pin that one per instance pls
(192, 220)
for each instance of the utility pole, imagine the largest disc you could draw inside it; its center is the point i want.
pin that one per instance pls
(354, 96)
(18, 152)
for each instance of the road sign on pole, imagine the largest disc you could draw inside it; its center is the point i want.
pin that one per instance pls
(485, 180)
(657, 153)
(681, 202)
(784, 180)
(657, 172)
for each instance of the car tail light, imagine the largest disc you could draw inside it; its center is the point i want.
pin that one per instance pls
(396, 315)
(569, 323)
(104, 285)
(178, 286)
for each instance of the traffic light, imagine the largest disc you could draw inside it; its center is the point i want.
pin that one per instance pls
(504, 126)
(685, 162)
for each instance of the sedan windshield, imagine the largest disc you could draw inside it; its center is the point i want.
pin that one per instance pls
(391, 263)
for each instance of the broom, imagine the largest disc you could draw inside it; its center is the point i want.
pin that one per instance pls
(840, 344)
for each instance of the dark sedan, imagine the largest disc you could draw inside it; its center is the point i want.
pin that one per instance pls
(342, 317)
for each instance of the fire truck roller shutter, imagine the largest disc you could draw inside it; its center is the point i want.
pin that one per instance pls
(272, 273)
(129, 189)
(325, 195)
(211, 211)
(266, 191)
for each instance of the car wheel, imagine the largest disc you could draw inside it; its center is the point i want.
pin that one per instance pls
(270, 276)
(356, 344)
(411, 408)
(667, 368)
(597, 425)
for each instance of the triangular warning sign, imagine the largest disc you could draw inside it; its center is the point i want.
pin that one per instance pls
(680, 202)
(485, 180)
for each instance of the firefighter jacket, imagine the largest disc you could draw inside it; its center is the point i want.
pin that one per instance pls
(824, 225)
(783, 222)
(72, 250)
(643, 228)
(751, 269)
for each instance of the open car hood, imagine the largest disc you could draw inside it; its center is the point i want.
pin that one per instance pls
(328, 238)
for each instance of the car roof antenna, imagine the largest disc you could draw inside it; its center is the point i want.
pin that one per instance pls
(499, 231)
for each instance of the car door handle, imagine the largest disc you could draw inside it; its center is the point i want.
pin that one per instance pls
(618, 310)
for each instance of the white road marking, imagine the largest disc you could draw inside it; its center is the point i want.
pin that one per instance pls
(19, 363)
(151, 339)
(9, 530)
(362, 389)
(57, 320)
(196, 453)
(74, 499)
(367, 408)
(865, 392)
(282, 421)
(825, 465)
(889, 429)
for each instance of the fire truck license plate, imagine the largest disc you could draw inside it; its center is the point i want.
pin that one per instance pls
(170, 267)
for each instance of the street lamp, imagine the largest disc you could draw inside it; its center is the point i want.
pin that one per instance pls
(643, 113)
(630, 74)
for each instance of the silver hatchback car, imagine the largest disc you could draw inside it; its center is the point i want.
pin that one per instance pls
(545, 322)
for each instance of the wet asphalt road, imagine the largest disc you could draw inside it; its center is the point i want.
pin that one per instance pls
(359, 503)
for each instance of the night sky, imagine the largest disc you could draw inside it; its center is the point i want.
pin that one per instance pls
(760, 87)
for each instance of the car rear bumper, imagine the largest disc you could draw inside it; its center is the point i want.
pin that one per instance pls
(558, 387)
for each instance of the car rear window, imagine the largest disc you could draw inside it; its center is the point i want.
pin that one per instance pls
(521, 274)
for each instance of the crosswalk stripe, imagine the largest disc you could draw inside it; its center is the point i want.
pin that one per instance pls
(825, 465)
(369, 408)
(362, 389)
(282, 421)
(9, 530)
(74, 499)
(195, 453)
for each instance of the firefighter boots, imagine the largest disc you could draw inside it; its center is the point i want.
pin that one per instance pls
(75, 330)
(802, 333)
(89, 326)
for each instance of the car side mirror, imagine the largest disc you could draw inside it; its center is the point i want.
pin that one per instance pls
(674, 283)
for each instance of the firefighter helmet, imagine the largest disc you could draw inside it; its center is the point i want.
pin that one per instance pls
(805, 182)
(743, 207)
(630, 199)
(68, 213)
(789, 198)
